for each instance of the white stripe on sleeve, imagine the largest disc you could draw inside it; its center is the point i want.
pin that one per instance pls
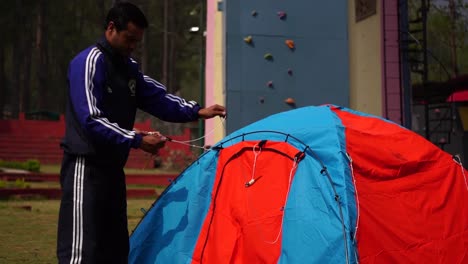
(94, 111)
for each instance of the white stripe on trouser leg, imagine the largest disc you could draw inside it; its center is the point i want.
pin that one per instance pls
(77, 211)
(80, 219)
(75, 178)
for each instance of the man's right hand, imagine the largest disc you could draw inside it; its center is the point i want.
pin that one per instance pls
(152, 143)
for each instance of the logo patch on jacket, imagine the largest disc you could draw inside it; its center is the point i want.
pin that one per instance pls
(132, 87)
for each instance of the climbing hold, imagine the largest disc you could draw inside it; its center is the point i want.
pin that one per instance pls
(282, 15)
(261, 99)
(290, 72)
(248, 39)
(290, 101)
(268, 56)
(254, 13)
(290, 44)
(270, 83)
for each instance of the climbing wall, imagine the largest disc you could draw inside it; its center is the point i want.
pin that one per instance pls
(284, 54)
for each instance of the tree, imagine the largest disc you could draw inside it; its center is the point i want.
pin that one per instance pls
(6, 19)
(42, 36)
(447, 37)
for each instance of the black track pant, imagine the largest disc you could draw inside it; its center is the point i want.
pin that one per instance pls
(92, 226)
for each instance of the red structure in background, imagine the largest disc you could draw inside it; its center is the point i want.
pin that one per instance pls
(391, 76)
(24, 139)
(439, 92)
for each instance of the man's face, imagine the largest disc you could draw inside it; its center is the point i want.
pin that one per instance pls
(126, 40)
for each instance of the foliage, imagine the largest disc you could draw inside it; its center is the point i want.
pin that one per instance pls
(18, 184)
(29, 165)
(21, 184)
(447, 37)
(41, 37)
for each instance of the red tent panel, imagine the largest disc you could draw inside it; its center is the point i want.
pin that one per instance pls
(412, 196)
(243, 224)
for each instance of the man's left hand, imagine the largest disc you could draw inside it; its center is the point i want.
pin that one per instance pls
(212, 111)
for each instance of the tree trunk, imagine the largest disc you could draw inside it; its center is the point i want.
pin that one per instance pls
(172, 45)
(144, 45)
(26, 92)
(79, 11)
(165, 42)
(171, 49)
(102, 11)
(453, 37)
(2, 81)
(15, 80)
(42, 50)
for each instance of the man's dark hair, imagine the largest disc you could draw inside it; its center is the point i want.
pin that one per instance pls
(124, 12)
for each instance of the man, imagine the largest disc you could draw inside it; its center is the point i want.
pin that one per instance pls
(105, 89)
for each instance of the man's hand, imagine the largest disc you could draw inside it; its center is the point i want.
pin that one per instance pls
(152, 143)
(212, 111)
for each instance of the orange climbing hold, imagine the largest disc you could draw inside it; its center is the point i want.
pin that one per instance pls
(290, 101)
(290, 44)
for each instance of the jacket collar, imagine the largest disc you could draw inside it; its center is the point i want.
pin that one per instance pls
(110, 50)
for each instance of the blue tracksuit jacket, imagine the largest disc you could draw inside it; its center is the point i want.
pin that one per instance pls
(105, 90)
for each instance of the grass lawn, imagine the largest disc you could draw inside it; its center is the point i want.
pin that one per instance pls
(28, 229)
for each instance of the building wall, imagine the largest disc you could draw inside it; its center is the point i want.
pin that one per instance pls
(365, 61)
(337, 60)
(319, 63)
(214, 72)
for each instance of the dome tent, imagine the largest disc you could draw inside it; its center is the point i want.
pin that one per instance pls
(312, 185)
